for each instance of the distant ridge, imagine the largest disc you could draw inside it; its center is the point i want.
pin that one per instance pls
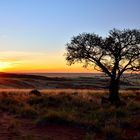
(29, 76)
(35, 81)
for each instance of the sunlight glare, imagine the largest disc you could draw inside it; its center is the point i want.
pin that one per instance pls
(5, 65)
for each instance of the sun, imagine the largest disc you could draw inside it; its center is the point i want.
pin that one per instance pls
(5, 65)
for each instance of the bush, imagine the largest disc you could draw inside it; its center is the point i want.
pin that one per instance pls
(121, 112)
(125, 123)
(112, 133)
(7, 101)
(88, 136)
(35, 100)
(53, 118)
(9, 104)
(28, 113)
(44, 101)
(134, 106)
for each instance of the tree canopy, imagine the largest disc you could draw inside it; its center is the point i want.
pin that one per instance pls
(115, 54)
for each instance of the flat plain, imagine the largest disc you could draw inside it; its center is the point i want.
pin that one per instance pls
(69, 108)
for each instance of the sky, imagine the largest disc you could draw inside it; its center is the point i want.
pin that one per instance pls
(34, 33)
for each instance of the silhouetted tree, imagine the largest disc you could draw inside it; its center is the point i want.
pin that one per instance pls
(113, 55)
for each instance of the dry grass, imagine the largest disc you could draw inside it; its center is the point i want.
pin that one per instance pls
(78, 108)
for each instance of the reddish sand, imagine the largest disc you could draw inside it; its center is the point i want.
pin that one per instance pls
(26, 127)
(16, 128)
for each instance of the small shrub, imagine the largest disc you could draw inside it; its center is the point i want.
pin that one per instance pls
(105, 114)
(52, 117)
(32, 137)
(88, 136)
(125, 123)
(35, 92)
(54, 101)
(137, 137)
(8, 101)
(27, 137)
(135, 122)
(28, 113)
(14, 127)
(45, 101)
(134, 106)
(121, 112)
(112, 133)
(11, 109)
(9, 104)
(35, 100)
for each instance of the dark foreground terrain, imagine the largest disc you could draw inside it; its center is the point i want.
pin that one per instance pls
(68, 115)
(67, 108)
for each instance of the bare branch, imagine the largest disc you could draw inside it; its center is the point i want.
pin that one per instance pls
(108, 53)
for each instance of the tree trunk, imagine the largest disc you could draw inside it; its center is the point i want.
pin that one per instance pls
(114, 91)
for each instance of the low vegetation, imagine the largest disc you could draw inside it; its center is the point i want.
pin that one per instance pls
(75, 108)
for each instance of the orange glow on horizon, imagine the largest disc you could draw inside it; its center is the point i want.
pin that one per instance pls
(38, 62)
(34, 69)
(5, 65)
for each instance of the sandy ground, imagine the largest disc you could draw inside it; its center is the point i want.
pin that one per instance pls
(26, 128)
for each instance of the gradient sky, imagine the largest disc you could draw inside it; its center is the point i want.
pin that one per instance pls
(33, 33)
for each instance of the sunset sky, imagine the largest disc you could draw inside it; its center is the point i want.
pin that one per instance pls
(33, 33)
